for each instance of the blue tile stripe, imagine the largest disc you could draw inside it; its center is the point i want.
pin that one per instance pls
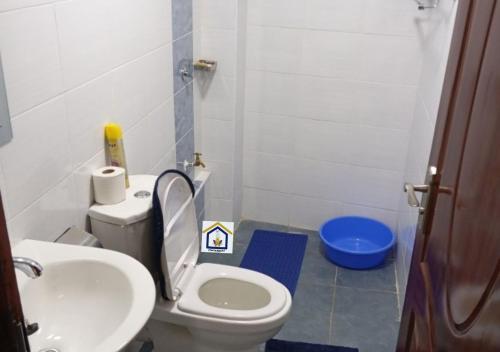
(182, 55)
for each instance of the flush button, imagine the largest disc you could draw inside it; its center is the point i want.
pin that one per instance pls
(142, 194)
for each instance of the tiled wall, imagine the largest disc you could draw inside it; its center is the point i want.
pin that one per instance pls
(70, 67)
(330, 94)
(221, 24)
(436, 31)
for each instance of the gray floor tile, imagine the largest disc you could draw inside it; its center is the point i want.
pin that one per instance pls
(362, 318)
(314, 245)
(314, 241)
(365, 319)
(316, 269)
(381, 278)
(310, 317)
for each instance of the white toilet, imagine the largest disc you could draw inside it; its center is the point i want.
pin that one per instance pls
(211, 307)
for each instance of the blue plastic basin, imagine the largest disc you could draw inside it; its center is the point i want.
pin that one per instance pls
(356, 242)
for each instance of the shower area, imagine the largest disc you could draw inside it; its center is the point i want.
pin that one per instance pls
(318, 109)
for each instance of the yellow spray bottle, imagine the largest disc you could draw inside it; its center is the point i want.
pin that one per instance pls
(115, 152)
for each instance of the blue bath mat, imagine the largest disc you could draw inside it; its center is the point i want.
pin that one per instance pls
(276, 254)
(287, 346)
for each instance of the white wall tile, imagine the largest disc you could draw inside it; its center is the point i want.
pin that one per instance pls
(48, 217)
(282, 13)
(198, 114)
(267, 171)
(7, 5)
(419, 146)
(324, 140)
(220, 45)
(383, 64)
(134, 32)
(333, 54)
(385, 105)
(30, 56)
(219, 210)
(38, 157)
(217, 140)
(161, 131)
(318, 179)
(197, 15)
(241, 35)
(89, 108)
(220, 185)
(218, 97)
(266, 206)
(371, 187)
(404, 19)
(378, 147)
(336, 15)
(340, 143)
(272, 93)
(269, 133)
(311, 213)
(435, 39)
(218, 14)
(392, 17)
(326, 99)
(362, 57)
(274, 49)
(113, 38)
(137, 141)
(86, 50)
(142, 85)
(166, 163)
(383, 59)
(387, 217)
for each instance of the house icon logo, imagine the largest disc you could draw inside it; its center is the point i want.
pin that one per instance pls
(217, 237)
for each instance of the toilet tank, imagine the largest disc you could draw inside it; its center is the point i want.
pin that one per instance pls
(126, 227)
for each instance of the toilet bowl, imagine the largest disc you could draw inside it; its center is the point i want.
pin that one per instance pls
(224, 309)
(210, 307)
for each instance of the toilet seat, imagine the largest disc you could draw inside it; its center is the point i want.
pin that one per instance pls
(181, 244)
(191, 302)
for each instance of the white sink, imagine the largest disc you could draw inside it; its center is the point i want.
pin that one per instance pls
(87, 299)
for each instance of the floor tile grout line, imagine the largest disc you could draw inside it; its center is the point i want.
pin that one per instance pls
(367, 289)
(330, 332)
(396, 282)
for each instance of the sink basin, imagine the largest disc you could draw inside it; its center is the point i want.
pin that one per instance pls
(87, 299)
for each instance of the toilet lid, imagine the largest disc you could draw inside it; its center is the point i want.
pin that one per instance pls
(180, 232)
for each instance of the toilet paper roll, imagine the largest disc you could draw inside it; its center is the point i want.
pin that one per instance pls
(109, 185)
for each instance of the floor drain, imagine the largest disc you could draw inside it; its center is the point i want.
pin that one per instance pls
(49, 350)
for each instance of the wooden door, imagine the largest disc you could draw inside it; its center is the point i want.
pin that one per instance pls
(453, 294)
(13, 337)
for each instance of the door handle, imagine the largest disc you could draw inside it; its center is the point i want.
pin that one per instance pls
(411, 190)
(430, 191)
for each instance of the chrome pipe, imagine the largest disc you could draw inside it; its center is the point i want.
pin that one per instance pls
(29, 267)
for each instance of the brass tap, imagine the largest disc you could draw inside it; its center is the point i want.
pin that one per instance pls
(198, 161)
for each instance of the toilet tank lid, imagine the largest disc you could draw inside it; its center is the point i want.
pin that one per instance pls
(137, 205)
